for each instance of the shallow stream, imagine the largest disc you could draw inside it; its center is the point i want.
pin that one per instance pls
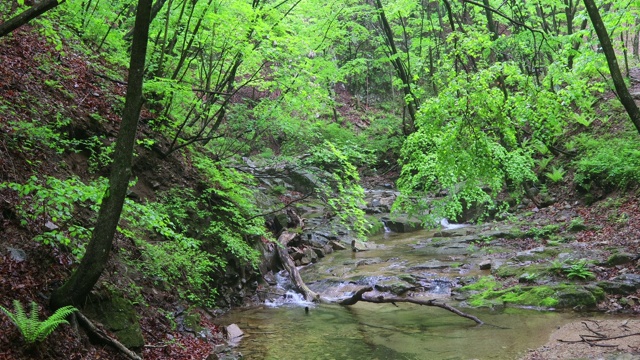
(282, 329)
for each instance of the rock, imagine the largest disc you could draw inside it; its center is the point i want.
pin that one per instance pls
(485, 265)
(431, 265)
(571, 297)
(310, 254)
(403, 224)
(119, 316)
(233, 332)
(620, 259)
(531, 254)
(17, 255)
(336, 245)
(622, 285)
(394, 286)
(319, 251)
(296, 254)
(451, 232)
(49, 226)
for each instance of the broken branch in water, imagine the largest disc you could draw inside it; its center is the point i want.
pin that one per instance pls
(360, 296)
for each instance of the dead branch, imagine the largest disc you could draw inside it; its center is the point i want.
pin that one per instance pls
(100, 334)
(592, 340)
(290, 266)
(360, 296)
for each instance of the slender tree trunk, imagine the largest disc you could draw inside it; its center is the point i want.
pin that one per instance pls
(76, 289)
(621, 88)
(27, 15)
(401, 71)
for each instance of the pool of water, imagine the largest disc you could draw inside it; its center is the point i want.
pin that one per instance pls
(382, 331)
(282, 329)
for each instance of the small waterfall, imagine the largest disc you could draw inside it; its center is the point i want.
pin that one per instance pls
(289, 296)
(447, 226)
(386, 228)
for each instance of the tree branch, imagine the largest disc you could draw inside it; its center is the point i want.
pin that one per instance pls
(27, 15)
(360, 296)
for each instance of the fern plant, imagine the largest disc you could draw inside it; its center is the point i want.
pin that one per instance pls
(31, 327)
(556, 174)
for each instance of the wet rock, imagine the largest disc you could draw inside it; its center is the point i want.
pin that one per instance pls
(485, 265)
(370, 261)
(319, 251)
(403, 224)
(430, 265)
(335, 245)
(394, 286)
(310, 254)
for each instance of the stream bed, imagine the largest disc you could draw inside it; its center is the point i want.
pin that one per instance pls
(393, 263)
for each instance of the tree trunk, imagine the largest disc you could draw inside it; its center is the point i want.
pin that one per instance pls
(76, 289)
(401, 71)
(27, 15)
(621, 88)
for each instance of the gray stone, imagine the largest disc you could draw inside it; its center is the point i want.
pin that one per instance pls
(576, 297)
(431, 265)
(233, 332)
(49, 226)
(620, 259)
(337, 245)
(622, 285)
(485, 265)
(17, 255)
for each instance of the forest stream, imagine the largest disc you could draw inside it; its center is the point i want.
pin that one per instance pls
(281, 328)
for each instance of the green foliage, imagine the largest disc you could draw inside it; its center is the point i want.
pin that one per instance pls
(608, 161)
(556, 174)
(541, 232)
(31, 327)
(58, 201)
(343, 192)
(579, 270)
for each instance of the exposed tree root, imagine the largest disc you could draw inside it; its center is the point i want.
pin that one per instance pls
(360, 296)
(100, 334)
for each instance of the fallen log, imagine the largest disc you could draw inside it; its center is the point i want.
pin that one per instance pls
(290, 266)
(360, 296)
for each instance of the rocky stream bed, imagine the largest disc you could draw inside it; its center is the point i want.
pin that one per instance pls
(542, 261)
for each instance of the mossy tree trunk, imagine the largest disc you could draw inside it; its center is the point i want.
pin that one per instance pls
(76, 289)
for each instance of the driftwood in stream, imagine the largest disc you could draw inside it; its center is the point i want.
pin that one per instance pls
(290, 266)
(360, 296)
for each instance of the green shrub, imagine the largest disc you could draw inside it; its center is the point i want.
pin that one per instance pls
(57, 201)
(610, 162)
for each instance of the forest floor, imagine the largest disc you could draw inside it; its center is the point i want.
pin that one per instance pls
(36, 78)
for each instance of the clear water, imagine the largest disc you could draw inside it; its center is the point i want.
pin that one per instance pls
(381, 331)
(282, 329)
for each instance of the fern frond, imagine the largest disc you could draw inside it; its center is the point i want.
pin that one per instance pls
(31, 327)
